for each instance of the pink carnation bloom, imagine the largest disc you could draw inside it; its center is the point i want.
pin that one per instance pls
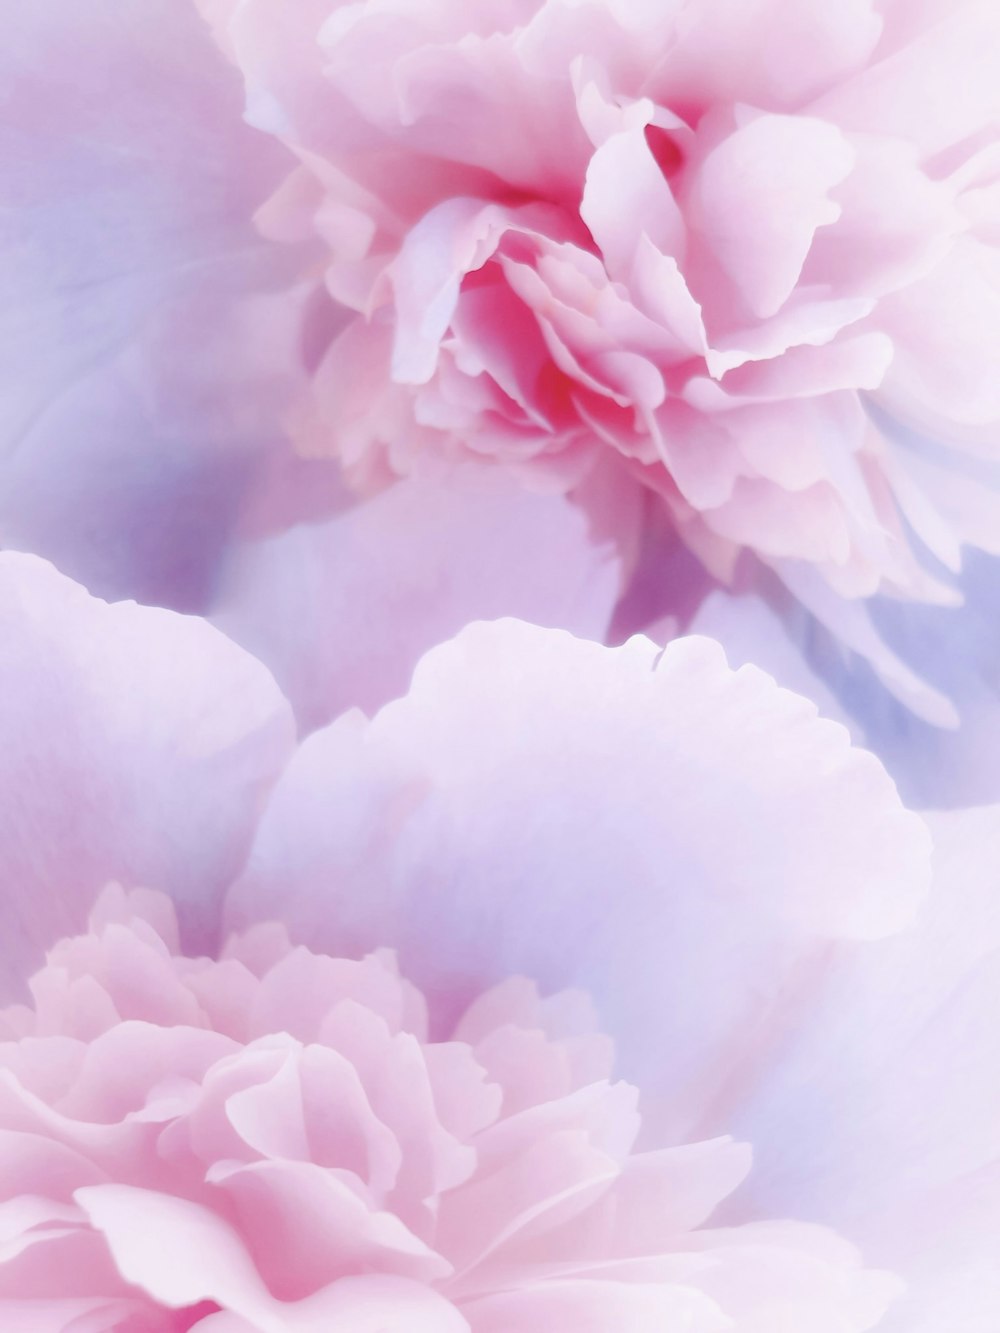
(738, 890)
(275, 1141)
(722, 241)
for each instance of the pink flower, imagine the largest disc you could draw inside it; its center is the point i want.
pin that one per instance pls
(154, 343)
(275, 1141)
(730, 881)
(723, 242)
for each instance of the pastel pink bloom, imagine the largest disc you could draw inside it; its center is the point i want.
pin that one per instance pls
(154, 342)
(724, 242)
(276, 1141)
(721, 872)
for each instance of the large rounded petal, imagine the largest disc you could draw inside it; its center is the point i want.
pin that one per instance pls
(679, 838)
(149, 335)
(880, 1116)
(342, 610)
(936, 377)
(137, 746)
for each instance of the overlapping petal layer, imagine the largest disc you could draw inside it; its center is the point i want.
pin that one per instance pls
(342, 609)
(137, 744)
(731, 881)
(658, 797)
(573, 227)
(275, 1142)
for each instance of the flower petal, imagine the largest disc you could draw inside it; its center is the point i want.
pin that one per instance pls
(760, 195)
(649, 825)
(149, 334)
(342, 611)
(137, 745)
(181, 1254)
(895, 1078)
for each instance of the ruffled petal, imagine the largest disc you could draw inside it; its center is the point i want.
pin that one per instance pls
(650, 825)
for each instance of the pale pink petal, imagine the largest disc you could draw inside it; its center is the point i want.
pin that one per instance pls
(455, 93)
(592, 1307)
(150, 335)
(306, 1227)
(447, 243)
(182, 1254)
(936, 377)
(896, 222)
(342, 611)
(138, 744)
(895, 1078)
(765, 52)
(759, 197)
(485, 768)
(625, 198)
(913, 93)
(751, 632)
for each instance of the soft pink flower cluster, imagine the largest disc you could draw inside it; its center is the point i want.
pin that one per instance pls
(274, 1142)
(327, 861)
(265, 1135)
(724, 240)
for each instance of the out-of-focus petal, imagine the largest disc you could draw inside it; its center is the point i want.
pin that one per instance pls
(752, 633)
(678, 838)
(149, 335)
(341, 611)
(879, 1115)
(137, 746)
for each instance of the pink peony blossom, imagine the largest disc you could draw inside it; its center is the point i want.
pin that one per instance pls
(738, 890)
(724, 242)
(276, 1141)
(154, 341)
